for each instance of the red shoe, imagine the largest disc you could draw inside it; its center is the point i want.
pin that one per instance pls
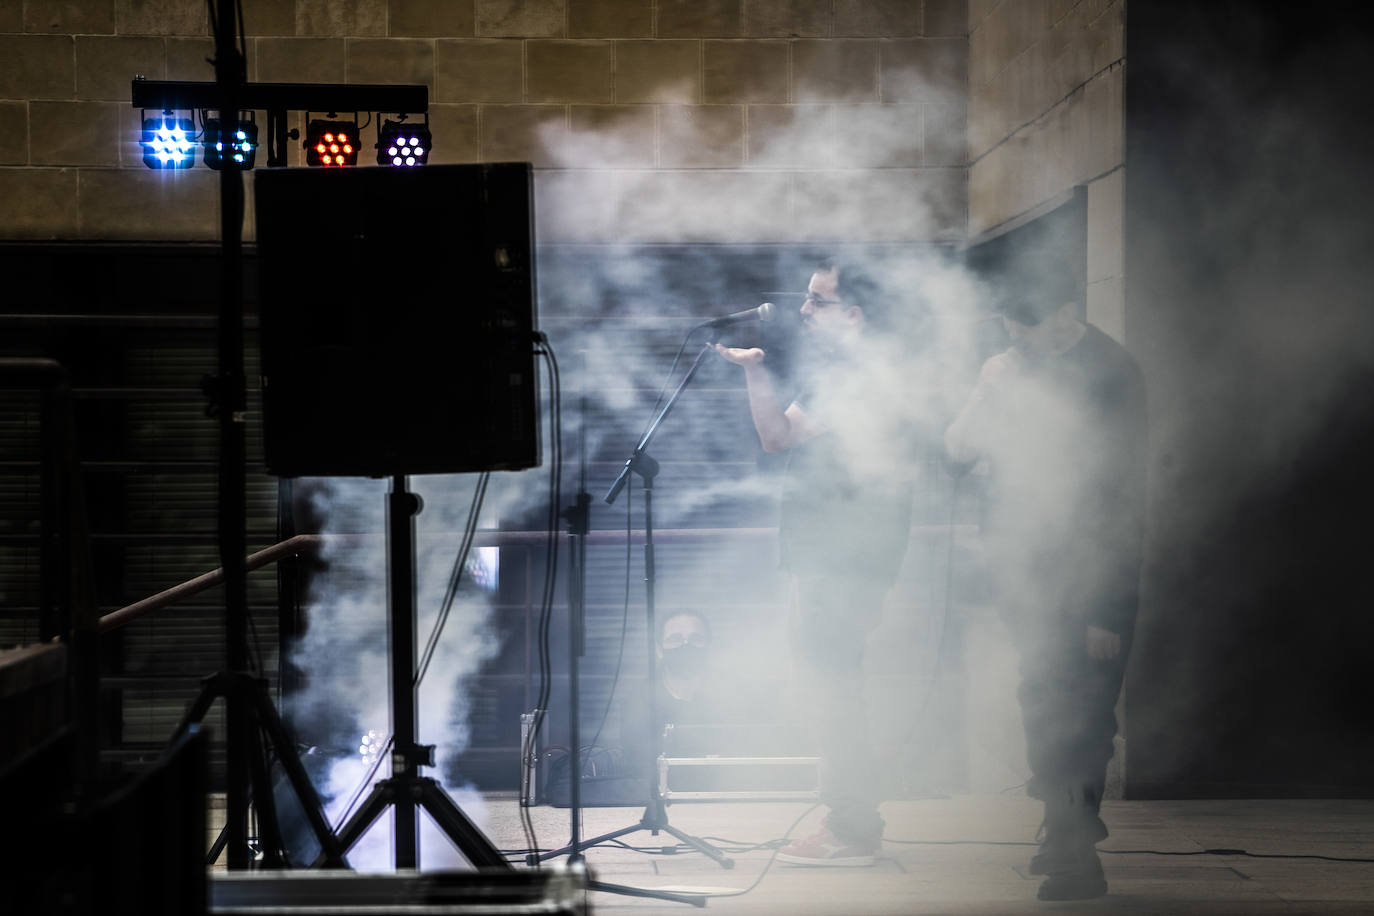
(824, 849)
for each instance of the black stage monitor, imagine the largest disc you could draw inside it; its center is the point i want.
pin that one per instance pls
(397, 319)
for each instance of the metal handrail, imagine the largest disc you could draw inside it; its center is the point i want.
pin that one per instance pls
(302, 543)
(132, 612)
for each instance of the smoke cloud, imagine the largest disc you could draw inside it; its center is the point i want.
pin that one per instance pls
(666, 256)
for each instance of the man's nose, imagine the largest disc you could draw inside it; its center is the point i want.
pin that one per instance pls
(807, 308)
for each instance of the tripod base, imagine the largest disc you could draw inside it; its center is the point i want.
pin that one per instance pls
(244, 693)
(427, 794)
(654, 825)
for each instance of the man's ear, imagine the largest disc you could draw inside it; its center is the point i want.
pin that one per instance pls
(855, 314)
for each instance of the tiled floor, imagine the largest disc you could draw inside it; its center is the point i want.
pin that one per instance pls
(967, 855)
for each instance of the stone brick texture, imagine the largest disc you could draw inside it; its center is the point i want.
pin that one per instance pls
(745, 71)
(479, 70)
(1045, 104)
(432, 19)
(62, 17)
(568, 71)
(106, 64)
(161, 17)
(646, 120)
(14, 133)
(701, 136)
(610, 19)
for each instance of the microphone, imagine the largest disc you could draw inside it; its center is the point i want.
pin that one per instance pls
(760, 313)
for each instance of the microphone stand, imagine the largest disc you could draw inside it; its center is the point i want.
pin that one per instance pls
(579, 516)
(655, 817)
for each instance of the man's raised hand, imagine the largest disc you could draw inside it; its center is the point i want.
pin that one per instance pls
(741, 356)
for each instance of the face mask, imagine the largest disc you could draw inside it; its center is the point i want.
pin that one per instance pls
(685, 661)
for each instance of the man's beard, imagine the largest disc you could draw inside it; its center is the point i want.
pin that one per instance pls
(818, 349)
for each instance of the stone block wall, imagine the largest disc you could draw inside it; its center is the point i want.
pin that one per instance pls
(1046, 113)
(648, 120)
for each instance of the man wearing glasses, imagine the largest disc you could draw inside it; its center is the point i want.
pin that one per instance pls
(846, 514)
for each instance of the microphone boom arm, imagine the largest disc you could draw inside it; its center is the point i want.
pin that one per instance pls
(639, 462)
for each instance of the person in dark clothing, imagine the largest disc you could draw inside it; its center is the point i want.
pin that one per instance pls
(1057, 423)
(687, 690)
(845, 519)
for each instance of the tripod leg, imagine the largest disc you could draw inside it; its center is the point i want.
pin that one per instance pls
(195, 713)
(699, 845)
(471, 842)
(332, 854)
(371, 809)
(217, 847)
(593, 841)
(269, 828)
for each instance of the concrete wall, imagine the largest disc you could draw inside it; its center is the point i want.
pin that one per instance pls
(650, 120)
(1046, 90)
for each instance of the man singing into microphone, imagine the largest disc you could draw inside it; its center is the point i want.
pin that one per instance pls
(846, 514)
(1058, 424)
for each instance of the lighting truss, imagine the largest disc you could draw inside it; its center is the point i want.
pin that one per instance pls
(277, 99)
(169, 142)
(332, 144)
(403, 144)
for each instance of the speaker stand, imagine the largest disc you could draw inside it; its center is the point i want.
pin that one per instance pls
(406, 790)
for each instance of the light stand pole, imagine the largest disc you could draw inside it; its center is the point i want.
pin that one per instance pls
(406, 789)
(230, 75)
(249, 712)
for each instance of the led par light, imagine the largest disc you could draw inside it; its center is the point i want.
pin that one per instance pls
(168, 142)
(403, 144)
(331, 144)
(243, 145)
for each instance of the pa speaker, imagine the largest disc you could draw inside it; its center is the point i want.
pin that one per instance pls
(397, 316)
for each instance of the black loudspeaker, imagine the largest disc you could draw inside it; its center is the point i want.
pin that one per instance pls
(398, 314)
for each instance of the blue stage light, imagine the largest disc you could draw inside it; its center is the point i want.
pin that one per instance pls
(168, 142)
(243, 145)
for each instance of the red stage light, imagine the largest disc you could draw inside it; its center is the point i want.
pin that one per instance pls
(331, 143)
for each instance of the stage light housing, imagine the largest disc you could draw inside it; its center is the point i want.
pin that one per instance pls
(243, 145)
(331, 144)
(169, 142)
(403, 144)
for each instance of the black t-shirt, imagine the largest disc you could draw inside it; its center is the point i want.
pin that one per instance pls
(846, 500)
(1065, 441)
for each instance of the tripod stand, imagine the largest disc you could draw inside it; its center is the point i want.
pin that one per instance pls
(655, 817)
(248, 709)
(406, 789)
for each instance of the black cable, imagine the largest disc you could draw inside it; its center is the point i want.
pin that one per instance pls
(1138, 852)
(1232, 852)
(771, 859)
(550, 572)
(629, 503)
(460, 560)
(365, 782)
(474, 511)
